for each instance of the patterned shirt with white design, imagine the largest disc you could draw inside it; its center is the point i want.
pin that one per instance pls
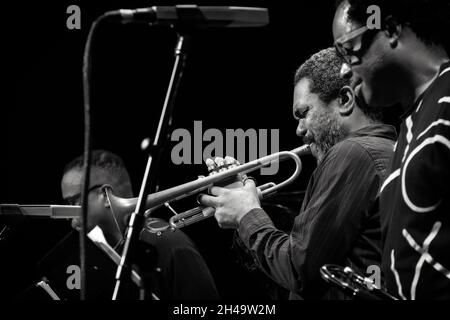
(415, 199)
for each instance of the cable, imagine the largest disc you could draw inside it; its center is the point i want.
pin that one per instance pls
(87, 150)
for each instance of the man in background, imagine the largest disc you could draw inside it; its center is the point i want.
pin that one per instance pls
(182, 274)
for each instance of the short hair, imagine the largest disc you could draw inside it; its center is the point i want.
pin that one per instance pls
(111, 163)
(323, 69)
(429, 19)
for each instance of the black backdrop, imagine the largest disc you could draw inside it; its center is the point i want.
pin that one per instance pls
(234, 78)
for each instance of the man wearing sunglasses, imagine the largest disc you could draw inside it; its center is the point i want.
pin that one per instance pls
(405, 62)
(182, 274)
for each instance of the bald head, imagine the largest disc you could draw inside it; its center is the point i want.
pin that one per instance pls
(107, 168)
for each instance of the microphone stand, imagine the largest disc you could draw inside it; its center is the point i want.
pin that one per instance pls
(137, 218)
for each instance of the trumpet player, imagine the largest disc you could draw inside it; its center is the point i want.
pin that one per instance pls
(182, 272)
(335, 223)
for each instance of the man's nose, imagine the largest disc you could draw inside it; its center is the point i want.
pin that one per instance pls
(301, 129)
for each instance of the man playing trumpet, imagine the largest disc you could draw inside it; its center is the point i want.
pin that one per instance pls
(334, 225)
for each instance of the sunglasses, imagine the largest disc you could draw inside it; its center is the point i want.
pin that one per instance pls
(352, 44)
(75, 200)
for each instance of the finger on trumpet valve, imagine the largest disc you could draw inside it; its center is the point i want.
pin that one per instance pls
(211, 166)
(220, 164)
(231, 162)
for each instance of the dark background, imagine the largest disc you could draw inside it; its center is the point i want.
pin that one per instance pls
(234, 78)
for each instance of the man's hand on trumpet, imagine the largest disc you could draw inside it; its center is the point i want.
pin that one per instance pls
(230, 204)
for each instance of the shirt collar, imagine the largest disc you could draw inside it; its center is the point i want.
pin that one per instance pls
(410, 110)
(376, 130)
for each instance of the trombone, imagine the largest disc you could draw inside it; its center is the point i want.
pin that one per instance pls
(194, 215)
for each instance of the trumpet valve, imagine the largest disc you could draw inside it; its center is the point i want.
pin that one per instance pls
(231, 162)
(211, 166)
(220, 164)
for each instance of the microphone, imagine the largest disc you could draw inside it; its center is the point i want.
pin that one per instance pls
(195, 17)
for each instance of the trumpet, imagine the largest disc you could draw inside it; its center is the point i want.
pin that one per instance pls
(353, 284)
(194, 215)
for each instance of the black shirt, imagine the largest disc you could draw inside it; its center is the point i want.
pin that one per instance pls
(182, 271)
(334, 225)
(169, 263)
(415, 199)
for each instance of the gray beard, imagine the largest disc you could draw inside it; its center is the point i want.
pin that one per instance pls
(327, 132)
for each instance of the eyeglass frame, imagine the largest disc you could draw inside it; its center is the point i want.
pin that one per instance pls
(76, 197)
(338, 44)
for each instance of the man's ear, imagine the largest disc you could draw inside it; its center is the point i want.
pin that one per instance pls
(392, 30)
(346, 101)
